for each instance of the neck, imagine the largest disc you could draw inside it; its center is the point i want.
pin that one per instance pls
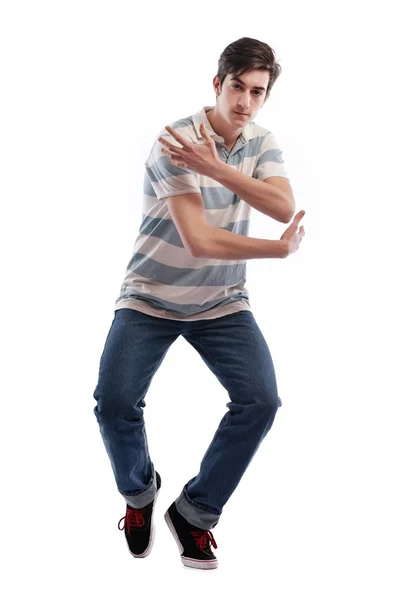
(222, 128)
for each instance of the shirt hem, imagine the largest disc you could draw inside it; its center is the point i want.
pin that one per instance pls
(212, 313)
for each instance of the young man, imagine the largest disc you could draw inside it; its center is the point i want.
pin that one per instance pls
(186, 277)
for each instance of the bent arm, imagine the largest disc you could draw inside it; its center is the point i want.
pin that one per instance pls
(204, 241)
(220, 243)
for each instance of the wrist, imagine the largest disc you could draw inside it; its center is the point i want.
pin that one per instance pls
(217, 170)
(284, 248)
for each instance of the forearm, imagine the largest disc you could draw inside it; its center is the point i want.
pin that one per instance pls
(262, 196)
(223, 244)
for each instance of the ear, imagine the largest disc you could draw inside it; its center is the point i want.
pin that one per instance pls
(216, 85)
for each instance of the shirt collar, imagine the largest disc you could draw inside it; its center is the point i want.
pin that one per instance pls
(200, 117)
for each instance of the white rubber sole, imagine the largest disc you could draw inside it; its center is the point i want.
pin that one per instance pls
(152, 534)
(189, 562)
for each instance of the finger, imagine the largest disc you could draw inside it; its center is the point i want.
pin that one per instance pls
(299, 216)
(165, 143)
(176, 156)
(172, 154)
(204, 133)
(180, 138)
(294, 227)
(178, 164)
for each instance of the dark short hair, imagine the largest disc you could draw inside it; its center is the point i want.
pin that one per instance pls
(245, 55)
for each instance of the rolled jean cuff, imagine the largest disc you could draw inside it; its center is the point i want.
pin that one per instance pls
(194, 513)
(144, 497)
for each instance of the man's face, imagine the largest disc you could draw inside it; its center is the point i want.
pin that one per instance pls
(243, 94)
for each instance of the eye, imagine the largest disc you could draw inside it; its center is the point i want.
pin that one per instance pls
(257, 92)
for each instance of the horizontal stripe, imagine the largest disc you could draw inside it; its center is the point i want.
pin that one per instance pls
(161, 169)
(223, 275)
(272, 155)
(270, 169)
(173, 256)
(217, 217)
(166, 230)
(213, 196)
(218, 197)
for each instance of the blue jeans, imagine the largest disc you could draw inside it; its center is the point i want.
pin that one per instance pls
(235, 350)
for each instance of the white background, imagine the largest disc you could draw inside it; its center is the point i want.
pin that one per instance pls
(86, 87)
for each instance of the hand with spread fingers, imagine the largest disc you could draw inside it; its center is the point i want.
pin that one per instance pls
(201, 158)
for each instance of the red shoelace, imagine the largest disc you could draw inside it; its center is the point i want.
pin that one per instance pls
(134, 518)
(202, 538)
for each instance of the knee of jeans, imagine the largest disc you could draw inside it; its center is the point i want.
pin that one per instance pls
(105, 410)
(268, 405)
(108, 413)
(113, 406)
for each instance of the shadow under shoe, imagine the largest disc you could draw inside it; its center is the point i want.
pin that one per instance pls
(139, 526)
(194, 543)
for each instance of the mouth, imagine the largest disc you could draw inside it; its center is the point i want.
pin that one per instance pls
(241, 114)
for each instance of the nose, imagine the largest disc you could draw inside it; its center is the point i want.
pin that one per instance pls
(244, 101)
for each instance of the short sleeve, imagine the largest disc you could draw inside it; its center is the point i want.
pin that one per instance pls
(165, 178)
(270, 161)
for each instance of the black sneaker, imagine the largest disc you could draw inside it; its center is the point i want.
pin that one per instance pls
(139, 526)
(193, 542)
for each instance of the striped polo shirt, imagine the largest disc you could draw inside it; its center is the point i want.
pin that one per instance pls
(162, 278)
